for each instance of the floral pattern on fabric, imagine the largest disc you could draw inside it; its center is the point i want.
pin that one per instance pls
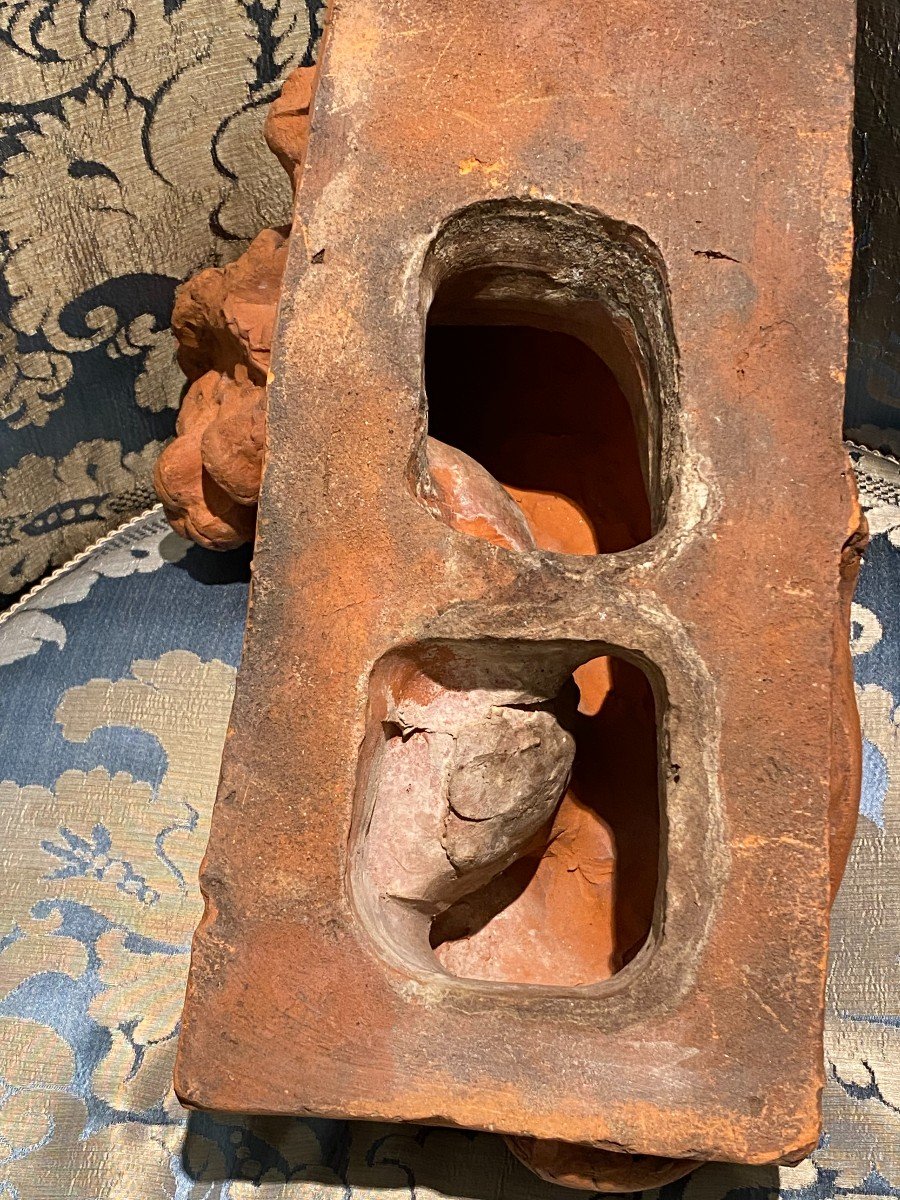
(81, 495)
(131, 155)
(112, 720)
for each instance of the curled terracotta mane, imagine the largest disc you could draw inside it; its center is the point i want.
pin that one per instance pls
(208, 477)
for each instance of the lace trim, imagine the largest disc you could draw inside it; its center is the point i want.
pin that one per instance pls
(877, 474)
(79, 558)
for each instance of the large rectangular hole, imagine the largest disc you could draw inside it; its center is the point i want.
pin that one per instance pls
(503, 865)
(549, 360)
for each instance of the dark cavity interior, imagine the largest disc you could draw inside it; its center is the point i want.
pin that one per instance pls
(545, 415)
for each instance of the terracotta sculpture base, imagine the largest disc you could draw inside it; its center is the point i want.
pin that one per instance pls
(531, 613)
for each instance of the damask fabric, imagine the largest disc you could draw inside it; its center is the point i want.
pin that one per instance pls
(131, 155)
(873, 362)
(115, 687)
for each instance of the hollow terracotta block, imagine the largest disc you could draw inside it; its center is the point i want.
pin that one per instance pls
(669, 185)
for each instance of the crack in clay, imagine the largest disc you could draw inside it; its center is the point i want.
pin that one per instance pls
(716, 254)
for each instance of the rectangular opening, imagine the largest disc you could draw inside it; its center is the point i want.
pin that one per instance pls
(512, 830)
(548, 372)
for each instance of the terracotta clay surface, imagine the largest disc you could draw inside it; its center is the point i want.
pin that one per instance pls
(536, 901)
(373, 603)
(208, 477)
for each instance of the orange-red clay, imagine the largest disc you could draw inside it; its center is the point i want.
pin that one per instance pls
(544, 760)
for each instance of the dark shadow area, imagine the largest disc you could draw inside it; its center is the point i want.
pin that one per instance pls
(214, 567)
(545, 415)
(346, 1157)
(873, 372)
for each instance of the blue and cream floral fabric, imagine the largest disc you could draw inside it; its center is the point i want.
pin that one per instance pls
(131, 155)
(115, 687)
